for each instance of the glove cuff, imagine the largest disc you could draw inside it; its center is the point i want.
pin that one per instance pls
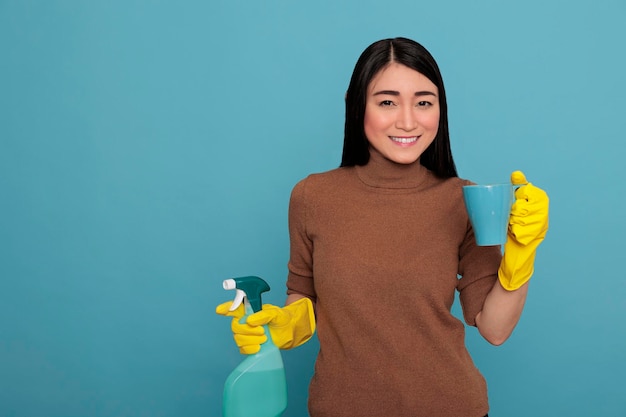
(512, 284)
(516, 269)
(302, 325)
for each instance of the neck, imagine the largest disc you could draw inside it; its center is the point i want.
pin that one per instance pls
(381, 172)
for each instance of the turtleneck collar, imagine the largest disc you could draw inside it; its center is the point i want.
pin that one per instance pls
(381, 172)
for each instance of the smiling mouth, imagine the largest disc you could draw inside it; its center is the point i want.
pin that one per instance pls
(404, 140)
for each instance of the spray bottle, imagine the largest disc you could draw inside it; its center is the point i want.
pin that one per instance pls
(257, 387)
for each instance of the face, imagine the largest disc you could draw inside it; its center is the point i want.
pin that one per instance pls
(401, 113)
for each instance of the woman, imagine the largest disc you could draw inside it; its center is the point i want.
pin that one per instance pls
(380, 245)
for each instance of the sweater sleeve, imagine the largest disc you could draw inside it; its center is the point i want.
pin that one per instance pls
(478, 269)
(300, 277)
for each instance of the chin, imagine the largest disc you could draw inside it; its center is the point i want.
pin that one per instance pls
(405, 160)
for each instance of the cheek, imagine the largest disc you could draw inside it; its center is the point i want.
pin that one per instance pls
(370, 125)
(431, 121)
(374, 121)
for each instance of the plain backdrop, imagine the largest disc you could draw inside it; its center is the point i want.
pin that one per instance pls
(148, 150)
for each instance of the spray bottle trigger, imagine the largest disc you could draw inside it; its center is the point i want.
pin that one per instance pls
(231, 284)
(239, 295)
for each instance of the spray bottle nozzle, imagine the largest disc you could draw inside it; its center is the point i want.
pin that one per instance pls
(250, 287)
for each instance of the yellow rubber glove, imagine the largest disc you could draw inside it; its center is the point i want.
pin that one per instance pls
(528, 224)
(248, 338)
(289, 326)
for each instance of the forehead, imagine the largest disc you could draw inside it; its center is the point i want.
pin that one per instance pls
(398, 77)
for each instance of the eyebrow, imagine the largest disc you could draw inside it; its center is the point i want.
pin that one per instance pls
(397, 93)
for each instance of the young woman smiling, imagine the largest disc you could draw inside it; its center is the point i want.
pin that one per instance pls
(380, 245)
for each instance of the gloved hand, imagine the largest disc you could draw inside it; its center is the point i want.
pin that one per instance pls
(528, 224)
(289, 326)
(248, 338)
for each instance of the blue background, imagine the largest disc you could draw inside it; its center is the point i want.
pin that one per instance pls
(148, 149)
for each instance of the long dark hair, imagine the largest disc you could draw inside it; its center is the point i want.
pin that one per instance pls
(438, 156)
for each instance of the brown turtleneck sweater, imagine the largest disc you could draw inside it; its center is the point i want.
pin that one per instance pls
(380, 249)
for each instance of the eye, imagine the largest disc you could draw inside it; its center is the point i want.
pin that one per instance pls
(424, 103)
(386, 103)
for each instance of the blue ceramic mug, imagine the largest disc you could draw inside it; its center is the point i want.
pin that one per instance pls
(489, 207)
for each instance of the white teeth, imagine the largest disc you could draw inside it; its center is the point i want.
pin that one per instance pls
(404, 140)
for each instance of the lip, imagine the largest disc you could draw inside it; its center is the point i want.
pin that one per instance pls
(404, 140)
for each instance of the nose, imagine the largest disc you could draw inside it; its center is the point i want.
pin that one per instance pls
(406, 119)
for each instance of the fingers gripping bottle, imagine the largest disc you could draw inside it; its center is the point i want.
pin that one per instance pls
(257, 387)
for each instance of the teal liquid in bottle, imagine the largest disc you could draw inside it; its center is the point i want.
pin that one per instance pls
(257, 387)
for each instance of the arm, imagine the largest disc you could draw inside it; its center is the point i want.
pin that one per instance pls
(528, 225)
(292, 298)
(500, 313)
